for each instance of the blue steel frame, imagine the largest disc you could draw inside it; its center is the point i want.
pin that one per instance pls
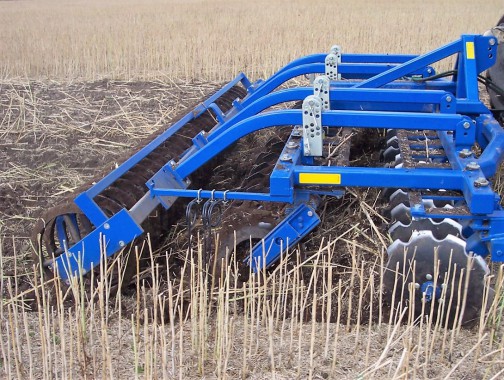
(379, 91)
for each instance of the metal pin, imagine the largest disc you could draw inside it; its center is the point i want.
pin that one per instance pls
(472, 166)
(481, 182)
(464, 153)
(286, 157)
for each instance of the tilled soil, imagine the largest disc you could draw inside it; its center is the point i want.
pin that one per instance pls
(55, 137)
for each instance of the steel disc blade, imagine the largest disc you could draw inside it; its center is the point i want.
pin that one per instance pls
(444, 262)
(389, 154)
(440, 230)
(239, 233)
(401, 213)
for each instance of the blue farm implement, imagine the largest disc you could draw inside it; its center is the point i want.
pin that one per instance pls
(442, 147)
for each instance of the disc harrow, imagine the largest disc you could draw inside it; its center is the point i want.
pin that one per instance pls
(65, 224)
(442, 146)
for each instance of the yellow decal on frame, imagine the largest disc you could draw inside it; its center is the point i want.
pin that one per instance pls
(470, 50)
(320, 178)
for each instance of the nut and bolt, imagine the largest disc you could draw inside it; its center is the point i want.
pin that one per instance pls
(310, 213)
(311, 103)
(172, 164)
(286, 157)
(481, 182)
(292, 144)
(429, 70)
(492, 42)
(466, 125)
(121, 243)
(106, 226)
(464, 153)
(472, 166)
(448, 99)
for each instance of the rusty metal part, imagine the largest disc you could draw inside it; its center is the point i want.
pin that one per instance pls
(129, 188)
(245, 223)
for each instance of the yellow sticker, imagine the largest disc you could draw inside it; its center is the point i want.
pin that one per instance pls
(320, 178)
(470, 50)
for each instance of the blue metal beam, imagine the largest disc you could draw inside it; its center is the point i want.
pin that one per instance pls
(363, 119)
(301, 221)
(107, 238)
(406, 68)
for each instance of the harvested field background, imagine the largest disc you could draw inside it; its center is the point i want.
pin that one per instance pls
(214, 40)
(82, 82)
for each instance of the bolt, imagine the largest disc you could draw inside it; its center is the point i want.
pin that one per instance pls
(106, 226)
(481, 182)
(466, 125)
(499, 253)
(187, 181)
(428, 276)
(292, 144)
(492, 42)
(321, 81)
(311, 103)
(172, 164)
(472, 166)
(286, 157)
(429, 70)
(417, 285)
(121, 243)
(310, 213)
(464, 153)
(448, 98)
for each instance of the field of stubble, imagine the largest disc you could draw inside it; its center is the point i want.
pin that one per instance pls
(82, 82)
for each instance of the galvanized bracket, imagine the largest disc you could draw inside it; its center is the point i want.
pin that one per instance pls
(336, 49)
(331, 63)
(312, 126)
(321, 90)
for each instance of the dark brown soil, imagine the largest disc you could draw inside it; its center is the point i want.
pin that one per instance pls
(56, 136)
